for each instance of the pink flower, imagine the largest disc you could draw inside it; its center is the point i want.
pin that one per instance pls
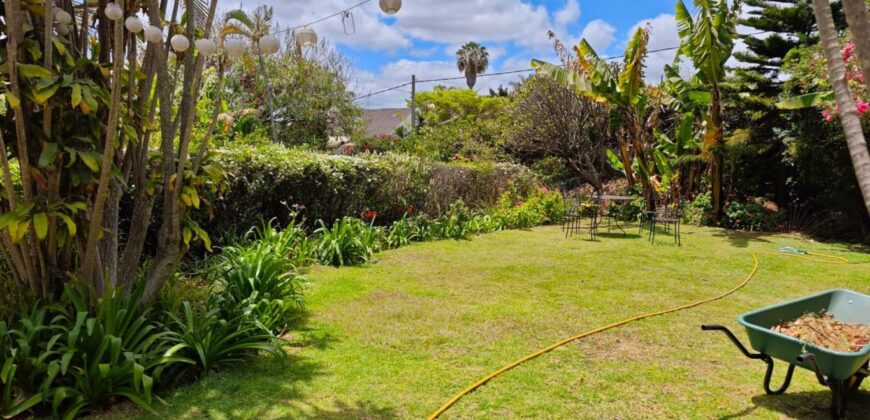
(862, 107)
(848, 52)
(827, 116)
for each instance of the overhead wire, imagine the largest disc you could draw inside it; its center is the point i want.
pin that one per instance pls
(502, 73)
(316, 21)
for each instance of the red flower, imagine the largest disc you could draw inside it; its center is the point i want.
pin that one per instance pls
(369, 215)
(848, 52)
(862, 107)
(827, 115)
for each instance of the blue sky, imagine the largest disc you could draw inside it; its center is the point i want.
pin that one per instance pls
(423, 37)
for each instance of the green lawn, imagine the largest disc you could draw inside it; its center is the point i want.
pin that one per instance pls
(400, 337)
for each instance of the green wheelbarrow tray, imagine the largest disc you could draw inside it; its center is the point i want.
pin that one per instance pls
(843, 372)
(844, 305)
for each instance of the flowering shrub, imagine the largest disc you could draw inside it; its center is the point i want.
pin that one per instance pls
(810, 74)
(756, 214)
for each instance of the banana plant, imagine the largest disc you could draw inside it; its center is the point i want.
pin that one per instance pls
(621, 87)
(707, 39)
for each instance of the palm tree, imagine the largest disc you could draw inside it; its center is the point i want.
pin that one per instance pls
(253, 27)
(708, 41)
(472, 59)
(837, 74)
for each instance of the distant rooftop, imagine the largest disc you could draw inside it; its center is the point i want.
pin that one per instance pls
(384, 121)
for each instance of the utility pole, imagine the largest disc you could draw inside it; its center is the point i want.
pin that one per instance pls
(414, 104)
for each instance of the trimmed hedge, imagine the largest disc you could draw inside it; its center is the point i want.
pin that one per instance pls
(274, 182)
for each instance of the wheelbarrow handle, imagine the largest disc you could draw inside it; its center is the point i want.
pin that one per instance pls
(757, 356)
(740, 346)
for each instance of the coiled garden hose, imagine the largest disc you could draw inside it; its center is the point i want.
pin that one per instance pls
(785, 251)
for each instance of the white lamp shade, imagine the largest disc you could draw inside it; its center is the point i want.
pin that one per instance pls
(113, 11)
(61, 16)
(306, 37)
(133, 24)
(269, 44)
(153, 34)
(179, 43)
(234, 47)
(390, 7)
(206, 47)
(61, 29)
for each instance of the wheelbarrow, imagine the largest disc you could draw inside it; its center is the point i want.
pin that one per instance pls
(842, 372)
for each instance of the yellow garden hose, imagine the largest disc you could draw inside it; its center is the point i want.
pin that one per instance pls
(822, 258)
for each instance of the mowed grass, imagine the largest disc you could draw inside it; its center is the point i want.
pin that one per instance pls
(400, 337)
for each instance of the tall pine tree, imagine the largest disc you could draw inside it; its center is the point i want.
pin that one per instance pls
(758, 142)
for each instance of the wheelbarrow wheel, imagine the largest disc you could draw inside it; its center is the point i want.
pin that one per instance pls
(856, 385)
(840, 391)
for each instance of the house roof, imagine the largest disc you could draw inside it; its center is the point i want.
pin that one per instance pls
(384, 121)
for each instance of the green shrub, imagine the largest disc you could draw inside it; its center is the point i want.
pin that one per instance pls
(697, 211)
(272, 181)
(454, 223)
(260, 282)
(518, 211)
(83, 355)
(349, 241)
(213, 343)
(400, 233)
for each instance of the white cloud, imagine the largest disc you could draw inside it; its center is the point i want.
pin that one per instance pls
(568, 14)
(662, 35)
(599, 34)
(400, 71)
(372, 32)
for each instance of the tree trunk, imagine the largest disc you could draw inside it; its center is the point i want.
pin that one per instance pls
(848, 114)
(269, 102)
(625, 155)
(859, 22)
(470, 77)
(713, 145)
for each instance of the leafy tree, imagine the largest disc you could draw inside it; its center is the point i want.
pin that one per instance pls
(554, 121)
(754, 88)
(96, 124)
(501, 91)
(848, 113)
(633, 114)
(311, 98)
(472, 59)
(459, 124)
(254, 26)
(708, 41)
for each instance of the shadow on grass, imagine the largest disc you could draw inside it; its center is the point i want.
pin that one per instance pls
(805, 405)
(318, 338)
(741, 239)
(359, 410)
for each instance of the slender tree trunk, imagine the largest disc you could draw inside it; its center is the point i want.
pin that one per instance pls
(95, 228)
(713, 146)
(859, 22)
(625, 155)
(269, 101)
(848, 114)
(636, 133)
